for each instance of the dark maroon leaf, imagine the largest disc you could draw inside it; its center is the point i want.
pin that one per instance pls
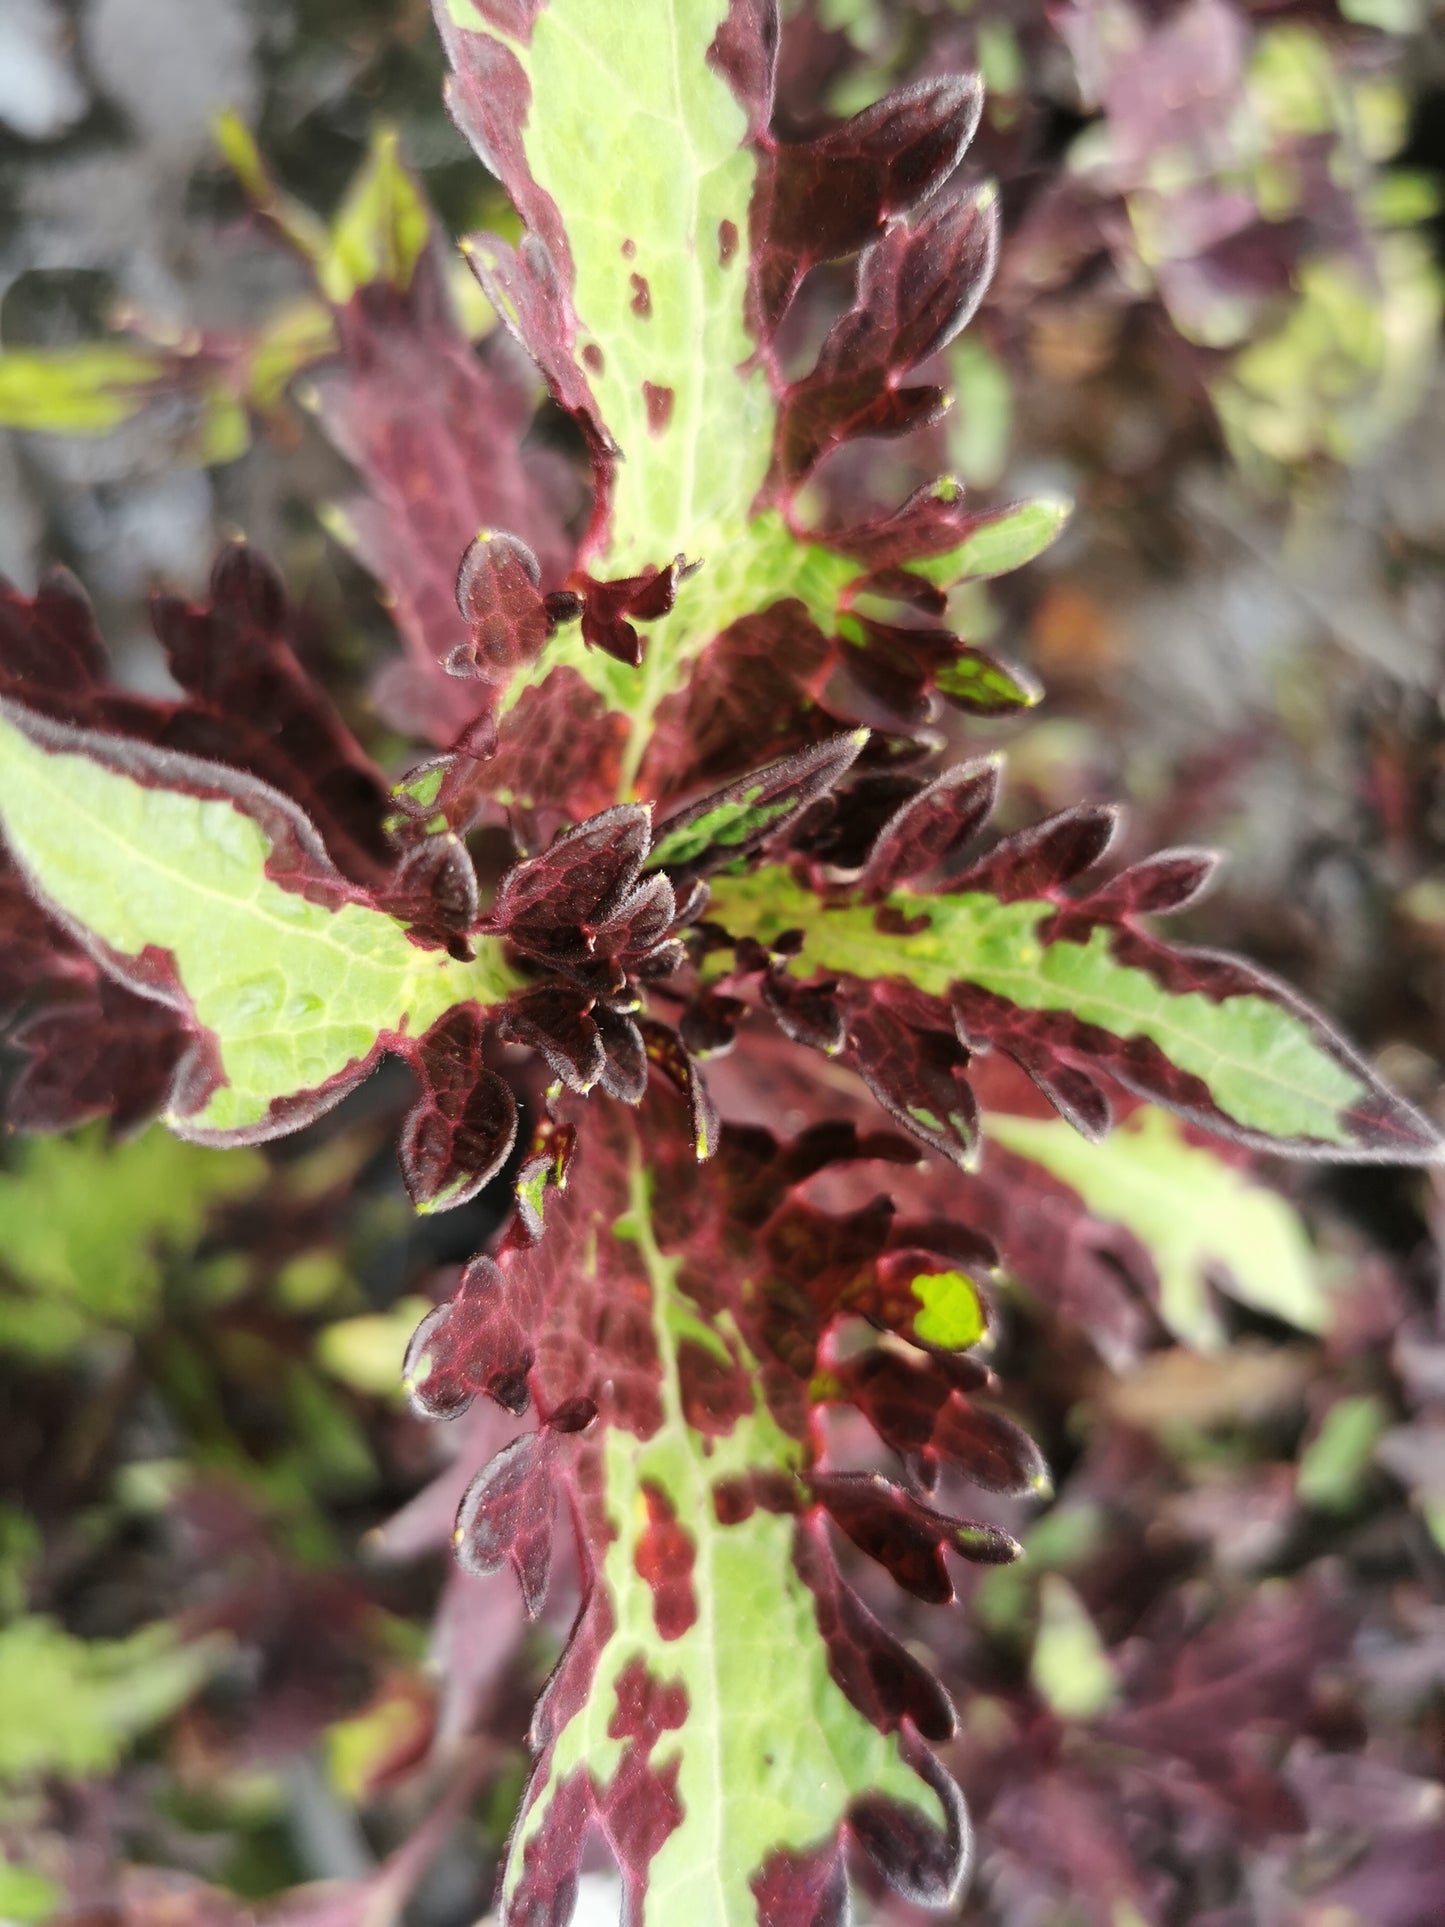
(582, 879)
(1160, 883)
(931, 827)
(461, 1130)
(917, 286)
(905, 1536)
(481, 1341)
(607, 607)
(916, 1073)
(921, 1862)
(509, 1514)
(624, 1056)
(499, 595)
(1037, 860)
(665, 1049)
(1077, 1096)
(827, 198)
(709, 1025)
(758, 681)
(557, 1023)
(808, 1013)
(640, 921)
(880, 1676)
(94, 1050)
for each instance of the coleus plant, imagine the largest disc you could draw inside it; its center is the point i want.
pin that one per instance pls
(704, 728)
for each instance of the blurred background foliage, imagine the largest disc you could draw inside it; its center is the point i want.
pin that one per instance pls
(237, 1675)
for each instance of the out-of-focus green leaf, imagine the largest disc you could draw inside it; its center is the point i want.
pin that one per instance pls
(1350, 364)
(304, 230)
(20, 1549)
(1070, 1668)
(74, 1706)
(1060, 1538)
(86, 390)
(382, 227)
(980, 425)
(366, 1353)
(1335, 1465)
(297, 337)
(85, 1226)
(26, 1896)
(98, 386)
(1199, 1217)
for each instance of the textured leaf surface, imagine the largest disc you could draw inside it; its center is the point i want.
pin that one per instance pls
(652, 312)
(1200, 1218)
(1038, 977)
(727, 1711)
(291, 992)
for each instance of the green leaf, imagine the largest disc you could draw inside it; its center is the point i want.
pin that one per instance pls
(303, 229)
(97, 387)
(1200, 1218)
(87, 390)
(1272, 1070)
(770, 1752)
(1335, 1466)
(1070, 1668)
(663, 362)
(25, 1895)
(601, 85)
(1006, 541)
(366, 1352)
(293, 993)
(85, 1225)
(75, 1706)
(381, 229)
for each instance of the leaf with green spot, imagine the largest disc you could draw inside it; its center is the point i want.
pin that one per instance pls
(697, 1338)
(952, 1315)
(734, 820)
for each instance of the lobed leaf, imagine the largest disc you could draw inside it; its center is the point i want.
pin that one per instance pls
(727, 1713)
(232, 913)
(652, 317)
(1077, 992)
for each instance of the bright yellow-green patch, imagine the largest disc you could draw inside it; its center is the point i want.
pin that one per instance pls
(952, 1315)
